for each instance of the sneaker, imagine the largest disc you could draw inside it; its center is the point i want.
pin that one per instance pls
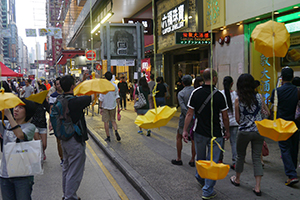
(125, 108)
(61, 162)
(201, 182)
(140, 132)
(213, 195)
(291, 182)
(117, 136)
(148, 133)
(107, 139)
(176, 162)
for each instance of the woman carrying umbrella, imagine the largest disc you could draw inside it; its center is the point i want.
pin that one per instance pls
(143, 88)
(17, 128)
(248, 109)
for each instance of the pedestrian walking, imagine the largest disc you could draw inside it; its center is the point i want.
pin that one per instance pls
(183, 98)
(231, 95)
(74, 148)
(143, 89)
(107, 105)
(27, 89)
(123, 90)
(39, 120)
(202, 129)
(52, 100)
(179, 85)
(287, 103)
(151, 85)
(18, 128)
(248, 108)
(161, 91)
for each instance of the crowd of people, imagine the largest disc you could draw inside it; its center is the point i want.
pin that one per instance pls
(233, 117)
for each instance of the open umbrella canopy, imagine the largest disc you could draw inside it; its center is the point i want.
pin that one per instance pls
(5, 71)
(263, 34)
(39, 97)
(211, 170)
(208, 169)
(155, 119)
(94, 86)
(277, 130)
(9, 100)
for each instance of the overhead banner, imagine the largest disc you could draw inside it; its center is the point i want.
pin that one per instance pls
(30, 32)
(6, 32)
(56, 32)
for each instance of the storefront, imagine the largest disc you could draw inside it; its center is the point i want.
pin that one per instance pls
(261, 67)
(181, 42)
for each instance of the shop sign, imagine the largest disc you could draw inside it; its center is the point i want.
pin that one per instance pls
(147, 23)
(193, 38)
(174, 19)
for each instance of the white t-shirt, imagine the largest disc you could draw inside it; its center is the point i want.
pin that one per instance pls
(28, 90)
(9, 136)
(109, 99)
(231, 114)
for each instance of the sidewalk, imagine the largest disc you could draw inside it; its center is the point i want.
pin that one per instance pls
(146, 162)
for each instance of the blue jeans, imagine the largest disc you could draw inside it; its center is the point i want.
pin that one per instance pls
(18, 188)
(233, 133)
(160, 101)
(289, 154)
(202, 143)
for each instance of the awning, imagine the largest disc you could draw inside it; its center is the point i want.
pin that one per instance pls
(5, 71)
(68, 54)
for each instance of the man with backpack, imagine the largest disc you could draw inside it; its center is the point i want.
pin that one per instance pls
(67, 114)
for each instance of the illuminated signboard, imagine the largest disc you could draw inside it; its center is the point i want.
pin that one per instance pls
(174, 19)
(193, 38)
(147, 23)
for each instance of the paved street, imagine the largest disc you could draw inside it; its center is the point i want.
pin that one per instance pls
(146, 162)
(101, 179)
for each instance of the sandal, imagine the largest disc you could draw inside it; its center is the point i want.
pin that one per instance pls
(232, 180)
(257, 193)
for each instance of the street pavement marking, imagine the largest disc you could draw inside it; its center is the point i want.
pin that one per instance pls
(111, 179)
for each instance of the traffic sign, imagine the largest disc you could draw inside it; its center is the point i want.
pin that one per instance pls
(90, 55)
(98, 67)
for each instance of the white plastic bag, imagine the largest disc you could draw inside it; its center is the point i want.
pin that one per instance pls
(24, 158)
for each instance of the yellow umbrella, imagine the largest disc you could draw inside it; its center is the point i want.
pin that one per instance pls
(39, 97)
(208, 169)
(94, 87)
(278, 130)
(263, 34)
(7, 101)
(157, 117)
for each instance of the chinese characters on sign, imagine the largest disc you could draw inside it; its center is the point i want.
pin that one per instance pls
(147, 23)
(174, 19)
(265, 78)
(193, 38)
(146, 68)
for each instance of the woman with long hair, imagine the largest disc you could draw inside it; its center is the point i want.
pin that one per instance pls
(143, 89)
(248, 109)
(231, 95)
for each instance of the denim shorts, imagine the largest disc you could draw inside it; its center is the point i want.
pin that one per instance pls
(141, 111)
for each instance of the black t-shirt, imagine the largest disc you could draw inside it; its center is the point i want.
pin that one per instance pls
(162, 90)
(203, 121)
(179, 86)
(123, 87)
(76, 106)
(287, 101)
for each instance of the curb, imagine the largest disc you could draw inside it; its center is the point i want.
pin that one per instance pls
(138, 182)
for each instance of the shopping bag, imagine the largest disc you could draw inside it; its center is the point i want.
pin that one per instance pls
(24, 158)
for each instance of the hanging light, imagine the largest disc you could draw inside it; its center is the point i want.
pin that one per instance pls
(107, 16)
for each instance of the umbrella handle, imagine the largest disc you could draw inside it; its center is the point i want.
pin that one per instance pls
(211, 149)
(3, 117)
(95, 100)
(275, 105)
(153, 96)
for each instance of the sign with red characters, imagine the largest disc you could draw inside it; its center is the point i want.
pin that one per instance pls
(146, 68)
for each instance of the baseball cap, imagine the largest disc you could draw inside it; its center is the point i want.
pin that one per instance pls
(287, 74)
